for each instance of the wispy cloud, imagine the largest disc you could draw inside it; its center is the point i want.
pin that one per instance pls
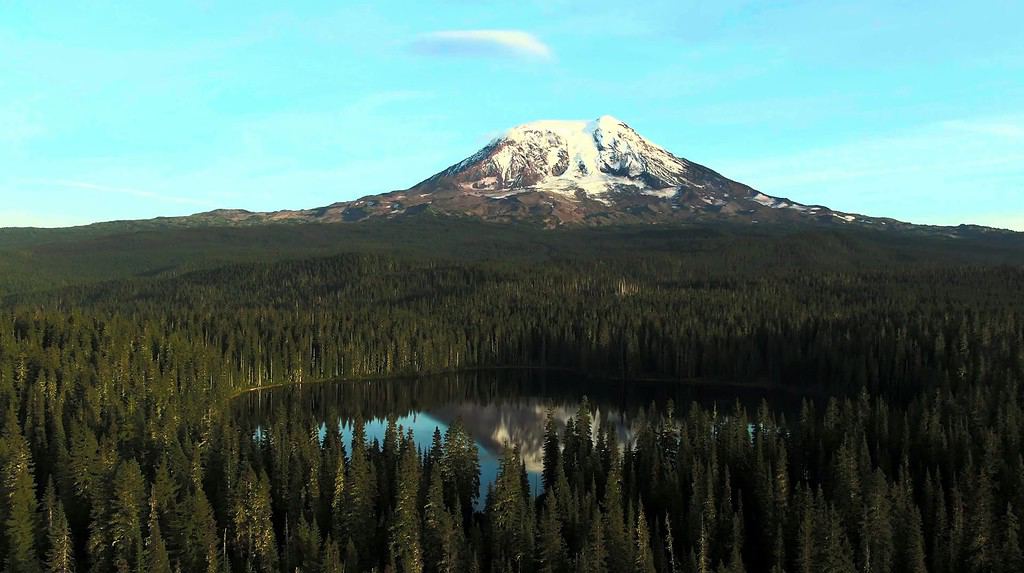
(482, 43)
(1009, 128)
(975, 147)
(950, 171)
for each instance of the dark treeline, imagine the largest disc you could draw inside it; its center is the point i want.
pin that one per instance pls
(118, 449)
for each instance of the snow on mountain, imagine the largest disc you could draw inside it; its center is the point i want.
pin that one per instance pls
(555, 173)
(586, 172)
(557, 156)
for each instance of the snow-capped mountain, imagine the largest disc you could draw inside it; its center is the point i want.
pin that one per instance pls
(588, 172)
(595, 157)
(573, 172)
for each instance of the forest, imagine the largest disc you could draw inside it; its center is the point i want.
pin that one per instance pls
(119, 450)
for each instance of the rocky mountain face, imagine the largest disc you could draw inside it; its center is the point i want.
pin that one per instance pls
(557, 173)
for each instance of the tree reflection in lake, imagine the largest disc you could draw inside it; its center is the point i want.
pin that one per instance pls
(496, 407)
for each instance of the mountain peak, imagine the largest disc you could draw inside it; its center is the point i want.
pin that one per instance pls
(569, 157)
(567, 127)
(596, 171)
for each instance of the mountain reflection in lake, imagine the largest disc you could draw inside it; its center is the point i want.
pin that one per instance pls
(496, 407)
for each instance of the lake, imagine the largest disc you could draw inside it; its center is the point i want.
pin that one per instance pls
(495, 406)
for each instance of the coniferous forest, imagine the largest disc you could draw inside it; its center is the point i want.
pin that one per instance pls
(120, 449)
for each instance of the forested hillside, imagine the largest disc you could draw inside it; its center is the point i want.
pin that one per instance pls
(118, 450)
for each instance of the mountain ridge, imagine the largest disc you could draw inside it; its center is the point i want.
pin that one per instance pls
(554, 173)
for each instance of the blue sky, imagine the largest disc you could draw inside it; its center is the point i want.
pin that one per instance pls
(913, 110)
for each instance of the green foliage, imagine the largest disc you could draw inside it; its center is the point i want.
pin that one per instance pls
(905, 457)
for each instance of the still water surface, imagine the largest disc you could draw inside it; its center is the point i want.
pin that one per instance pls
(496, 407)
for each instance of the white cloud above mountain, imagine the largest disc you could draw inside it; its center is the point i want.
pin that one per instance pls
(482, 43)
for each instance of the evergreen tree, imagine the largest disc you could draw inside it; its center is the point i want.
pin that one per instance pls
(673, 563)
(20, 505)
(836, 554)
(360, 498)
(508, 514)
(552, 451)
(620, 546)
(643, 561)
(126, 514)
(461, 467)
(307, 545)
(551, 549)
(877, 550)
(594, 557)
(198, 533)
(254, 540)
(406, 550)
(441, 531)
(330, 559)
(61, 555)
(338, 508)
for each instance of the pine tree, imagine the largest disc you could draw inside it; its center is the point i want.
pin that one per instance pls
(877, 550)
(594, 558)
(552, 451)
(509, 515)
(620, 547)
(736, 546)
(643, 560)
(673, 563)
(200, 542)
(254, 540)
(702, 562)
(307, 545)
(836, 555)
(807, 528)
(330, 559)
(126, 517)
(405, 529)
(441, 531)
(551, 550)
(461, 467)
(360, 498)
(61, 556)
(907, 528)
(21, 503)
(338, 509)
(157, 559)
(584, 436)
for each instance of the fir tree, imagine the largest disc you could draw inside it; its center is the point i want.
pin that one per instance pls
(360, 498)
(126, 517)
(551, 549)
(552, 451)
(594, 557)
(330, 559)
(21, 503)
(461, 467)
(643, 560)
(441, 531)
(61, 555)
(253, 526)
(508, 514)
(405, 529)
(620, 547)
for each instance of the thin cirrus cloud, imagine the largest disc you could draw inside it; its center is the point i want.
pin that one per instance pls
(482, 43)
